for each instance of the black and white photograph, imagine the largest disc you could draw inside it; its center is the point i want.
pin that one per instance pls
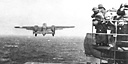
(63, 32)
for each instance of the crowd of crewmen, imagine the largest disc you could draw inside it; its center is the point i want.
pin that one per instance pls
(101, 25)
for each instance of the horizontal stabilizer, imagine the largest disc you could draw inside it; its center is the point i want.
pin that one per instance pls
(17, 27)
(64, 26)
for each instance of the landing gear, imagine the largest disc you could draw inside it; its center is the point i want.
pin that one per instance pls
(53, 34)
(35, 34)
(53, 30)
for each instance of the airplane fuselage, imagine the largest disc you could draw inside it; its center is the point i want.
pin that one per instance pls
(43, 31)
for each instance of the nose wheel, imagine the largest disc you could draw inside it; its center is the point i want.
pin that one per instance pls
(44, 34)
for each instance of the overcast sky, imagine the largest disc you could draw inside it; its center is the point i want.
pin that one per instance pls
(53, 12)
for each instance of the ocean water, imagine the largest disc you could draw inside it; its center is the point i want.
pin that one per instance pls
(24, 49)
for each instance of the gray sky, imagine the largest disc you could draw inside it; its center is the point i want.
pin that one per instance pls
(53, 12)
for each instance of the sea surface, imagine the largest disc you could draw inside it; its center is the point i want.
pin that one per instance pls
(48, 49)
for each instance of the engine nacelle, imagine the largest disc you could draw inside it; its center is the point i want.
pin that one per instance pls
(36, 28)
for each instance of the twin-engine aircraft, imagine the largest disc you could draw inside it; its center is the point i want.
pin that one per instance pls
(44, 29)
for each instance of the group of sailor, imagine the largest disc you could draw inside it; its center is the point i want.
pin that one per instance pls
(104, 20)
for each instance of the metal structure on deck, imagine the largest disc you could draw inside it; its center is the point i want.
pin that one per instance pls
(118, 45)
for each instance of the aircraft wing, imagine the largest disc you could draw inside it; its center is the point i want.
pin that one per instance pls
(25, 27)
(61, 27)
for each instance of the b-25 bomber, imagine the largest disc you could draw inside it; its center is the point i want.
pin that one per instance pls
(44, 29)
